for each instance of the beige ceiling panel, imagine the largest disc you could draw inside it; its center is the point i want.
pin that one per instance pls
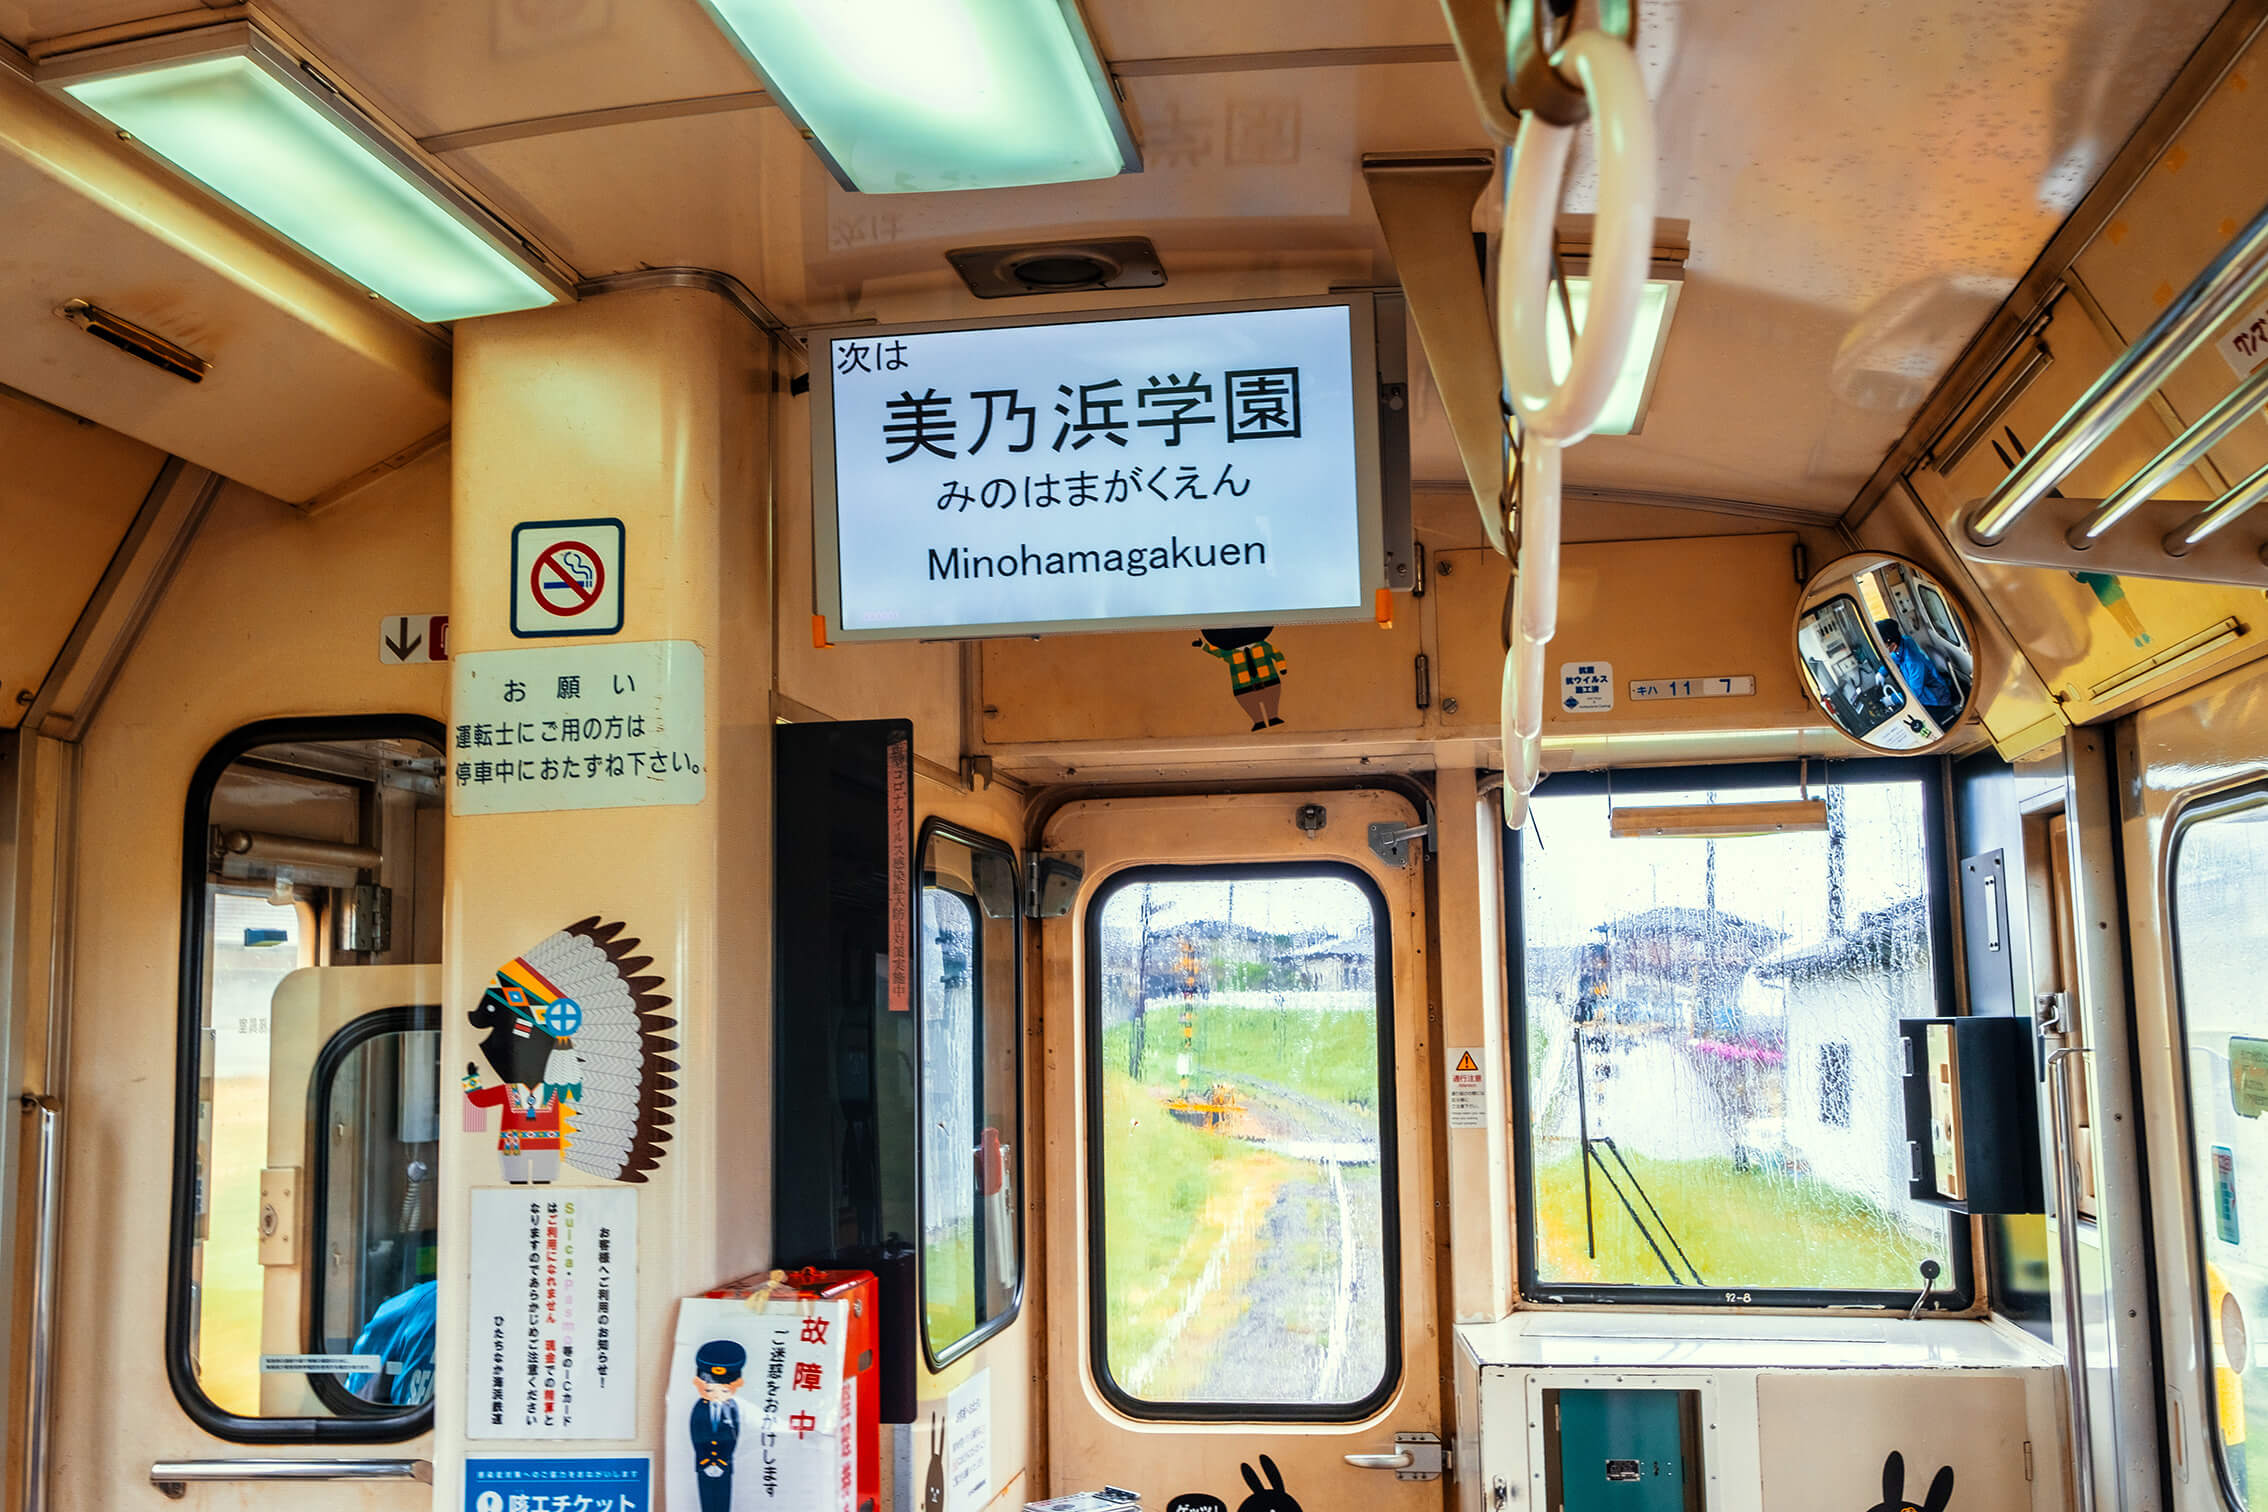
(23, 22)
(311, 381)
(71, 489)
(725, 191)
(1865, 183)
(2211, 181)
(1253, 186)
(449, 65)
(1197, 28)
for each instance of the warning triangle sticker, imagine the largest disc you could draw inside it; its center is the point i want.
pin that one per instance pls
(1465, 1062)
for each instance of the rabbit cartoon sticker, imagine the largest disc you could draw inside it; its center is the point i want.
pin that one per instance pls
(1273, 1497)
(933, 1486)
(1894, 1488)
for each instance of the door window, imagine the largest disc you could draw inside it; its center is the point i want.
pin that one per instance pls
(1711, 1104)
(971, 1074)
(1241, 1142)
(2220, 938)
(307, 1164)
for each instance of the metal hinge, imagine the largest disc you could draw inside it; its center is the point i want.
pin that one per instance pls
(1051, 882)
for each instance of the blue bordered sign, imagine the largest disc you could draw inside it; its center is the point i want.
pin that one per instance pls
(567, 577)
(584, 1482)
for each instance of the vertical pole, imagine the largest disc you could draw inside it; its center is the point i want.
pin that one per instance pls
(1583, 1131)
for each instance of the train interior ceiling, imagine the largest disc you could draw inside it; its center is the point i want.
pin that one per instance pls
(1308, 753)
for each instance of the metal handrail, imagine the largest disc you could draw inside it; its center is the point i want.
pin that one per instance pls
(2080, 1389)
(39, 1415)
(2236, 407)
(2239, 274)
(174, 1477)
(2218, 513)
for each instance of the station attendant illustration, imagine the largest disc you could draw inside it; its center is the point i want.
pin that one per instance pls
(716, 1420)
(1256, 669)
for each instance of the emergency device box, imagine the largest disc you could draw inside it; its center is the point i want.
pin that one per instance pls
(786, 1291)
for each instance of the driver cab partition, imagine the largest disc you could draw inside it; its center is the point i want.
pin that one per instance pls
(846, 1050)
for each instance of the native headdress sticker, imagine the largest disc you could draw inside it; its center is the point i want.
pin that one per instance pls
(576, 1039)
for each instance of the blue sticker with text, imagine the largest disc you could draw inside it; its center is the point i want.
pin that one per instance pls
(2224, 1194)
(560, 1483)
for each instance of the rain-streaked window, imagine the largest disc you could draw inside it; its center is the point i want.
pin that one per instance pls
(2220, 938)
(1713, 1080)
(971, 1167)
(1240, 1092)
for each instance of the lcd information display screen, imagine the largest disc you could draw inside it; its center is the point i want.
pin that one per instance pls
(1145, 469)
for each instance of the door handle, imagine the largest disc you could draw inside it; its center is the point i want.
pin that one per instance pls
(1415, 1457)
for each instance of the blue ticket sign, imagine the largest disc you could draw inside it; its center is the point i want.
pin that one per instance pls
(560, 1483)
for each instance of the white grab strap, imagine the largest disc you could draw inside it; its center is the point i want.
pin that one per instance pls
(1555, 413)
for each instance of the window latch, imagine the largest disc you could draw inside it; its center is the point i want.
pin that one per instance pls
(1390, 842)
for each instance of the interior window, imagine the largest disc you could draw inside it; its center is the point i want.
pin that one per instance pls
(310, 1107)
(1711, 1102)
(2220, 936)
(373, 1201)
(1241, 1142)
(971, 1163)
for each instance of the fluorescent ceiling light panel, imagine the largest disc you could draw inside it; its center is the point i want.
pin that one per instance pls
(1625, 409)
(249, 124)
(901, 96)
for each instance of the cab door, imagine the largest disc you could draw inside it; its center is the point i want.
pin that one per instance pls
(1238, 1124)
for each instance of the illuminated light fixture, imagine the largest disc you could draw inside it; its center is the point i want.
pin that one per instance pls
(1718, 821)
(231, 108)
(1625, 409)
(901, 96)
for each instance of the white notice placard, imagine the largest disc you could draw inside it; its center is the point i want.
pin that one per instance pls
(1586, 687)
(614, 725)
(760, 1411)
(1468, 1090)
(968, 1444)
(1208, 468)
(2244, 346)
(553, 1320)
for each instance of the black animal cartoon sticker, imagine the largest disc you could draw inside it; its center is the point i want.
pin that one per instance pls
(1894, 1488)
(933, 1486)
(1256, 670)
(1273, 1497)
(575, 1039)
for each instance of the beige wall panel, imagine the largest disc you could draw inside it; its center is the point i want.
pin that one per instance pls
(1707, 606)
(1824, 1438)
(2082, 635)
(1076, 689)
(70, 492)
(2209, 183)
(312, 380)
(262, 621)
(870, 680)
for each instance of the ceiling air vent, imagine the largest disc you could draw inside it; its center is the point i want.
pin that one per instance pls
(134, 340)
(1058, 267)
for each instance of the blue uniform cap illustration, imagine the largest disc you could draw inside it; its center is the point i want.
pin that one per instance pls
(721, 1361)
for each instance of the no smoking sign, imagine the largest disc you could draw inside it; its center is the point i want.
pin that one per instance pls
(566, 578)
